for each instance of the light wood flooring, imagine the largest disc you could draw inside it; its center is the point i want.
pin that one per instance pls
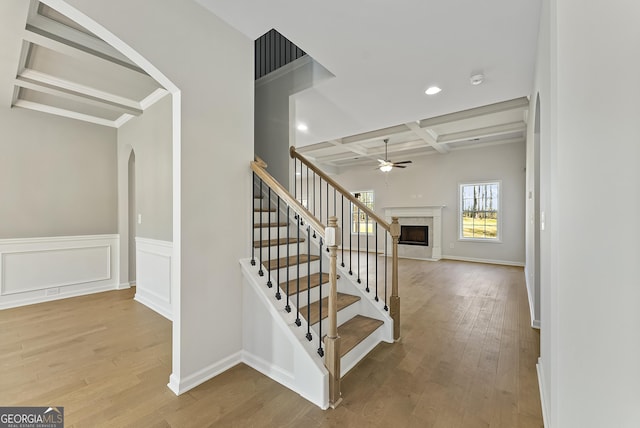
(466, 359)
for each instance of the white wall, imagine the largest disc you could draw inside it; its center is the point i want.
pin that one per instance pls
(434, 180)
(212, 65)
(149, 135)
(590, 316)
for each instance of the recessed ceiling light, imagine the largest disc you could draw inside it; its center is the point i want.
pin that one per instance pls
(302, 127)
(432, 90)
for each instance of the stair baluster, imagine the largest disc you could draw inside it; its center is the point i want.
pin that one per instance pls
(253, 220)
(269, 283)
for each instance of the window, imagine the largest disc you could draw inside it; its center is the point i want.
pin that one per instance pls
(479, 215)
(359, 217)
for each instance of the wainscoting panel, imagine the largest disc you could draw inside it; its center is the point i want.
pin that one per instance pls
(153, 275)
(34, 270)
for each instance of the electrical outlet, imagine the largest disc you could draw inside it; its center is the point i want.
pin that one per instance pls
(52, 291)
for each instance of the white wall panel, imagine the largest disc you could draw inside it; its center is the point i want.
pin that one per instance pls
(153, 275)
(34, 270)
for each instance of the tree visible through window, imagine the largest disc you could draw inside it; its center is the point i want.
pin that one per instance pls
(480, 211)
(358, 217)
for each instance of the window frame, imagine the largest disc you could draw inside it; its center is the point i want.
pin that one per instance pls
(352, 223)
(499, 212)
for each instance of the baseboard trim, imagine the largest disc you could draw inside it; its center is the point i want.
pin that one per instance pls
(543, 398)
(487, 261)
(152, 304)
(180, 386)
(125, 285)
(532, 316)
(44, 299)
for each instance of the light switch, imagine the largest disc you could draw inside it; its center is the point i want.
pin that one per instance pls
(542, 220)
(139, 218)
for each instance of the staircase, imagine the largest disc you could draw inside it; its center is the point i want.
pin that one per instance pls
(288, 301)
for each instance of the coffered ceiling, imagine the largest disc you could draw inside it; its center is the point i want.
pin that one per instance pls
(498, 123)
(67, 71)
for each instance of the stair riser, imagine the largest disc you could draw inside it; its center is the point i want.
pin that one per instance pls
(267, 216)
(272, 230)
(314, 294)
(344, 315)
(266, 256)
(304, 270)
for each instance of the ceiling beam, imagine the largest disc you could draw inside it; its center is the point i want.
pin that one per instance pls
(517, 103)
(70, 36)
(64, 113)
(314, 147)
(379, 134)
(77, 96)
(426, 137)
(65, 48)
(490, 131)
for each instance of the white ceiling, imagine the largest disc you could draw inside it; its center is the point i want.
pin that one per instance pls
(66, 70)
(385, 54)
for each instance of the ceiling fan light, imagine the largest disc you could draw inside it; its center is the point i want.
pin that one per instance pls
(386, 168)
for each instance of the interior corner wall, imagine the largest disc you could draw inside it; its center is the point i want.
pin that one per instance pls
(433, 180)
(590, 297)
(149, 135)
(212, 65)
(58, 176)
(272, 114)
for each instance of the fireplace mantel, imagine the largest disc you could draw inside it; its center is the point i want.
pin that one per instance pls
(431, 211)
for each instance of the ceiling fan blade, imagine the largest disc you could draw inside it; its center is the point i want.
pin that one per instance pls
(399, 166)
(401, 162)
(382, 161)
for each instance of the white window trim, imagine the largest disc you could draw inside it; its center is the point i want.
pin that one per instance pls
(498, 238)
(351, 213)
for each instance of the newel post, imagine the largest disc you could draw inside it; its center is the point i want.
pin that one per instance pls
(332, 341)
(394, 301)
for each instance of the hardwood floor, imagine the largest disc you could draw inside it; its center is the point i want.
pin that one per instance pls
(466, 359)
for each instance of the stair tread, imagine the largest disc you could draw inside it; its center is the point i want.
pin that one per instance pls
(314, 282)
(355, 331)
(274, 242)
(289, 261)
(343, 301)
(264, 210)
(272, 224)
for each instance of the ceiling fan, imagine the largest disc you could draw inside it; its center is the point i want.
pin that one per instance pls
(386, 165)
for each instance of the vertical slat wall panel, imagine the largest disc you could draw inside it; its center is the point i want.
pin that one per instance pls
(272, 51)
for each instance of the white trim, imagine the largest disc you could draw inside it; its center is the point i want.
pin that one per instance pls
(29, 105)
(543, 398)
(50, 239)
(180, 386)
(153, 98)
(498, 238)
(63, 295)
(534, 322)
(126, 285)
(96, 271)
(489, 261)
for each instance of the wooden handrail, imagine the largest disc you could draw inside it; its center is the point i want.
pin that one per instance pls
(295, 155)
(284, 194)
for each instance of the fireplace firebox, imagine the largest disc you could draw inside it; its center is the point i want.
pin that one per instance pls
(414, 235)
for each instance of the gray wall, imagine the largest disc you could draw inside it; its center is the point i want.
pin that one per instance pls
(434, 180)
(58, 177)
(273, 111)
(212, 65)
(150, 137)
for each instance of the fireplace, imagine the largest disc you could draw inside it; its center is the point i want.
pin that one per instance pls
(414, 235)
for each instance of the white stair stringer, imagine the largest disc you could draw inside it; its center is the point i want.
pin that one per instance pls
(275, 346)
